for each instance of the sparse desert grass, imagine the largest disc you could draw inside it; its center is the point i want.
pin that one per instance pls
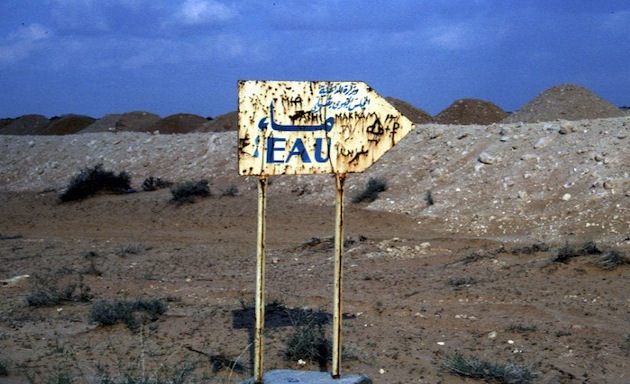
(567, 252)
(373, 188)
(90, 255)
(91, 181)
(461, 282)
(92, 269)
(220, 362)
(522, 328)
(118, 311)
(475, 368)
(9, 237)
(4, 368)
(308, 340)
(230, 191)
(129, 372)
(612, 259)
(58, 375)
(180, 374)
(48, 293)
(188, 191)
(531, 249)
(131, 249)
(473, 258)
(428, 197)
(154, 183)
(605, 259)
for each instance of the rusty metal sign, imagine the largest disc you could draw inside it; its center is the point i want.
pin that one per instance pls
(310, 127)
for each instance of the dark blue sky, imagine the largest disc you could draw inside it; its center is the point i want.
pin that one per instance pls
(96, 57)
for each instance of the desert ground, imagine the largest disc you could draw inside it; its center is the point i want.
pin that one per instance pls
(505, 242)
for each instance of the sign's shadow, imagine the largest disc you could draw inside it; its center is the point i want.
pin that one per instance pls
(278, 316)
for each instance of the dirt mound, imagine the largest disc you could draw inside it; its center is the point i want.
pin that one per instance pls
(414, 114)
(137, 121)
(106, 123)
(223, 123)
(179, 123)
(67, 125)
(25, 125)
(471, 111)
(5, 122)
(567, 102)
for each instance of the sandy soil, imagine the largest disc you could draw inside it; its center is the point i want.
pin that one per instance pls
(474, 272)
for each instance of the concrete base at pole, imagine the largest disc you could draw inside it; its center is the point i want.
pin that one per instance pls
(284, 376)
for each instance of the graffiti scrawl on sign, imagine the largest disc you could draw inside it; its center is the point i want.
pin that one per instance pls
(308, 127)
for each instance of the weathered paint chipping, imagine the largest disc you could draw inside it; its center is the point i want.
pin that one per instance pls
(309, 127)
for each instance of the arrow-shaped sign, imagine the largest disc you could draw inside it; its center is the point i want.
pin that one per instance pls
(307, 127)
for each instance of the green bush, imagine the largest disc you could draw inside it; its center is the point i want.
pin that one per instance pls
(186, 192)
(91, 181)
(371, 191)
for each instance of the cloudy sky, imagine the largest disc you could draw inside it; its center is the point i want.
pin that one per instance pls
(96, 57)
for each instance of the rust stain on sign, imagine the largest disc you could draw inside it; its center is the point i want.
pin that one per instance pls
(308, 127)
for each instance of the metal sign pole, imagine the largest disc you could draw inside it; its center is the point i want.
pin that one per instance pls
(260, 281)
(340, 181)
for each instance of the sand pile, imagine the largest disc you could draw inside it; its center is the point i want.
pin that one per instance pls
(471, 111)
(136, 121)
(25, 125)
(179, 123)
(223, 123)
(414, 114)
(567, 102)
(67, 125)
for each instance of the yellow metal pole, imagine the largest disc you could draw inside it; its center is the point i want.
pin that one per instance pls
(340, 181)
(260, 281)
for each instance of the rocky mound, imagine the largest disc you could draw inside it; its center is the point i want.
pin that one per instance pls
(414, 114)
(471, 111)
(25, 125)
(137, 121)
(4, 122)
(179, 123)
(67, 125)
(566, 102)
(223, 123)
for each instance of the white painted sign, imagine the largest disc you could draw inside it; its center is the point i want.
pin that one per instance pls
(308, 127)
